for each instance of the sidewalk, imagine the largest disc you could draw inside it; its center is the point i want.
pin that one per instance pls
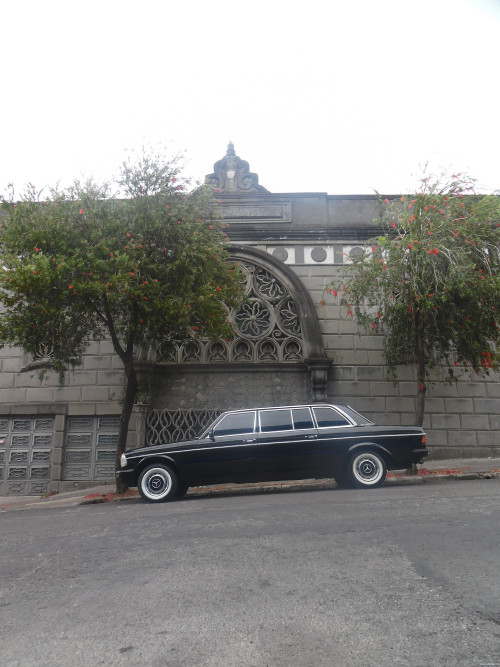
(429, 471)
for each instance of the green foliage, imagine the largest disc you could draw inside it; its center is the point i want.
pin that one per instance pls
(82, 264)
(431, 283)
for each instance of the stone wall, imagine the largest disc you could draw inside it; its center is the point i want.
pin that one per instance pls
(95, 386)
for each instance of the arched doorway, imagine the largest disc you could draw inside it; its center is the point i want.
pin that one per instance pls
(276, 356)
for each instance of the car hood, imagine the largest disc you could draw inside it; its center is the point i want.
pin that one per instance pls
(160, 449)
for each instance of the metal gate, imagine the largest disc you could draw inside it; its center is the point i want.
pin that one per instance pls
(90, 448)
(26, 446)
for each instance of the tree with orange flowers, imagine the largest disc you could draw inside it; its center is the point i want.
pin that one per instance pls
(139, 268)
(430, 285)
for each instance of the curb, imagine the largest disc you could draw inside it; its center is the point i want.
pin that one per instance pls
(423, 476)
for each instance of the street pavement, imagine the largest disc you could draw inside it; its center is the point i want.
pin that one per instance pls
(480, 468)
(407, 575)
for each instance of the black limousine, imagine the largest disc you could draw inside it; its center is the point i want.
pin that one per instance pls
(279, 443)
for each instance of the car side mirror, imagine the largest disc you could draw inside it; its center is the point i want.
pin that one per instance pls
(211, 435)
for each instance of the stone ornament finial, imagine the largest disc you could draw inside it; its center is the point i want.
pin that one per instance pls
(232, 175)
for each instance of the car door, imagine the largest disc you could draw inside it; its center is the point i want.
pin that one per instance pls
(287, 439)
(335, 433)
(228, 452)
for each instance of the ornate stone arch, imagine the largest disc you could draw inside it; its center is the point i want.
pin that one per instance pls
(291, 288)
(276, 355)
(276, 325)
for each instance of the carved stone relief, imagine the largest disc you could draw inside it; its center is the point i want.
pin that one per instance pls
(232, 175)
(267, 328)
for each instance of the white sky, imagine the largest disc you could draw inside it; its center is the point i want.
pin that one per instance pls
(330, 96)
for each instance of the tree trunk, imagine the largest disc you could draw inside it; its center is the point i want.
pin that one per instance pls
(420, 403)
(422, 385)
(128, 406)
(421, 391)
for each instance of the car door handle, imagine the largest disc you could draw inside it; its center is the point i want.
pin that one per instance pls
(311, 437)
(251, 440)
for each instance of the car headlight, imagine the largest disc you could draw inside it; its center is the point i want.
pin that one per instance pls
(123, 461)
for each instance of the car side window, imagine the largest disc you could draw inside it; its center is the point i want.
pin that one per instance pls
(302, 418)
(237, 423)
(275, 420)
(329, 417)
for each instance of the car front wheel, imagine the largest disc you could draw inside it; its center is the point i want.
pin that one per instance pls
(366, 470)
(158, 483)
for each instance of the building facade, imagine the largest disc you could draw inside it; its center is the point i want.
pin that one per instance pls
(291, 345)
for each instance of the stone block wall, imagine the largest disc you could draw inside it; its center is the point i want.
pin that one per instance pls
(95, 387)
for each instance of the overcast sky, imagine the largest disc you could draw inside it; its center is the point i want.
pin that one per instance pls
(329, 96)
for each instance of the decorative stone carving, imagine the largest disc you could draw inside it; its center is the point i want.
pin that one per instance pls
(232, 175)
(254, 319)
(267, 328)
(318, 369)
(268, 286)
(260, 212)
(318, 254)
(281, 254)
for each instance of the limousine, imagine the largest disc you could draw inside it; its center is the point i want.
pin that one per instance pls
(271, 444)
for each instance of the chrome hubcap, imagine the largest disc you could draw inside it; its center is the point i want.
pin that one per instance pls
(156, 483)
(367, 468)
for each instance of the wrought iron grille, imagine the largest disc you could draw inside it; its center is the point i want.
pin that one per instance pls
(164, 426)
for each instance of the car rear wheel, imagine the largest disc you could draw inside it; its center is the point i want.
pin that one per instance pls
(366, 470)
(158, 483)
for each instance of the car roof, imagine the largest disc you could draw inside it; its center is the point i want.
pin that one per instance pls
(289, 407)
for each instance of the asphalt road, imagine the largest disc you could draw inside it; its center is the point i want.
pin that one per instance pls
(402, 575)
